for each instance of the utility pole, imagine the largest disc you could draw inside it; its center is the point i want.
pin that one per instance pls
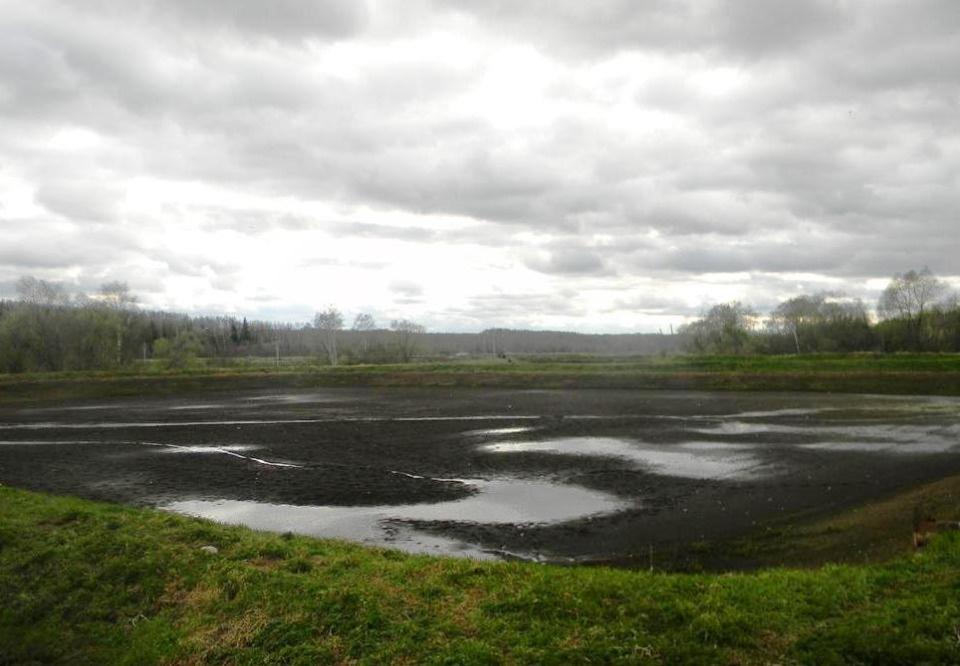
(277, 346)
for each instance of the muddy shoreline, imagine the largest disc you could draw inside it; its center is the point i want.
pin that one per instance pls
(685, 468)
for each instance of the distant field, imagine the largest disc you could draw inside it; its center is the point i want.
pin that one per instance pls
(922, 374)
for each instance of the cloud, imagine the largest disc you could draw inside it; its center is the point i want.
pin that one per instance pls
(211, 149)
(50, 244)
(279, 19)
(518, 309)
(406, 288)
(571, 261)
(78, 199)
(749, 28)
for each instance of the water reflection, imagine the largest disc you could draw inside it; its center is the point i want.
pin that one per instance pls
(871, 438)
(497, 501)
(695, 460)
(204, 448)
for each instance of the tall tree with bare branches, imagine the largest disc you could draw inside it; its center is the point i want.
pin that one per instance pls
(909, 296)
(329, 322)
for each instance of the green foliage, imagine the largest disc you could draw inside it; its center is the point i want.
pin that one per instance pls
(180, 352)
(94, 583)
(50, 338)
(724, 329)
(917, 312)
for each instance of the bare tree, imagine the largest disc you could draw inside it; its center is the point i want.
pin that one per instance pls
(808, 311)
(116, 297)
(329, 321)
(407, 335)
(363, 323)
(40, 292)
(723, 329)
(909, 296)
(792, 314)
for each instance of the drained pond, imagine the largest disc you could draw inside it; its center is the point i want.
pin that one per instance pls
(562, 476)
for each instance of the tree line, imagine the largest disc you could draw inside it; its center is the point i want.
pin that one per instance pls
(916, 311)
(48, 329)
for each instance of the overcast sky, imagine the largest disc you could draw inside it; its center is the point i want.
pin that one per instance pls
(594, 166)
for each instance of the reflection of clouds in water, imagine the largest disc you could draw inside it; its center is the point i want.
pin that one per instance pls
(884, 447)
(184, 408)
(161, 447)
(54, 442)
(201, 448)
(75, 408)
(107, 425)
(500, 431)
(698, 460)
(741, 428)
(498, 501)
(871, 438)
(717, 446)
(298, 398)
(782, 412)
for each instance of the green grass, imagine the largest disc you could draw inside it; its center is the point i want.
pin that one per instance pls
(83, 582)
(926, 374)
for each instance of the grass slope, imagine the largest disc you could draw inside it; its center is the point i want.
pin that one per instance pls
(872, 533)
(83, 582)
(922, 374)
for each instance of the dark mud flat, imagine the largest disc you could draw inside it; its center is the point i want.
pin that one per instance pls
(562, 475)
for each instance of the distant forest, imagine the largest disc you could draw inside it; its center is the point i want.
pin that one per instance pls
(47, 329)
(916, 312)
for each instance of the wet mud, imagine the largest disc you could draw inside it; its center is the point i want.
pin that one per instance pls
(575, 476)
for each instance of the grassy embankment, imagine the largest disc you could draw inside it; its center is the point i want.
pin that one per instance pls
(928, 374)
(82, 582)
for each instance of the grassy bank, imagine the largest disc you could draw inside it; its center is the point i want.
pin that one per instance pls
(872, 533)
(82, 582)
(922, 374)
